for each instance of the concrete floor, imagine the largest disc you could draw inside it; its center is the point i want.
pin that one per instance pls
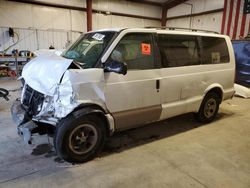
(175, 153)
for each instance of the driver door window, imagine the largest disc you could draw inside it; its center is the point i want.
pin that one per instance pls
(136, 50)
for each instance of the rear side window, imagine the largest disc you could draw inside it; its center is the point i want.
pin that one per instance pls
(136, 50)
(215, 50)
(178, 50)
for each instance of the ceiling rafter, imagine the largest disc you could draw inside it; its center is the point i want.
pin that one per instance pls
(147, 2)
(172, 3)
(165, 4)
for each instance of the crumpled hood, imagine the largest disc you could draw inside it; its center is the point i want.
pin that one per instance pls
(44, 72)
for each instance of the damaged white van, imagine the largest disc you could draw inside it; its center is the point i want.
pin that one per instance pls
(117, 79)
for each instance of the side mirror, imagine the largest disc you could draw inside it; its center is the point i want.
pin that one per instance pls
(116, 66)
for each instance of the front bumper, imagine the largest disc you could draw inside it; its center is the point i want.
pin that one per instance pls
(25, 126)
(19, 115)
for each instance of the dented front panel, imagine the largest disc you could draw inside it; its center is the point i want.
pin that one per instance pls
(44, 72)
(77, 87)
(87, 86)
(62, 89)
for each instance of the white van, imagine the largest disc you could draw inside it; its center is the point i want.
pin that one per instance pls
(116, 79)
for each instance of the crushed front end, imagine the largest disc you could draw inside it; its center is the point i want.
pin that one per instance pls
(54, 86)
(25, 109)
(36, 112)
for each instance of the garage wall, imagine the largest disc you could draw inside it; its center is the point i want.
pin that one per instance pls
(40, 17)
(210, 21)
(47, 24)
(34, 39)
(127, 7)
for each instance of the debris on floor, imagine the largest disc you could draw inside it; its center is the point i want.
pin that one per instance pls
(242, 91)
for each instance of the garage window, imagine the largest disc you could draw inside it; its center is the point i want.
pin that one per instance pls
(136, 50)
(178, 50)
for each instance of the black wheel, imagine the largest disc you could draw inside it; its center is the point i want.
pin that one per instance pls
(209, 108)
(79, 139)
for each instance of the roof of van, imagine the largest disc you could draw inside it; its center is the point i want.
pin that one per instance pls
(174, 30)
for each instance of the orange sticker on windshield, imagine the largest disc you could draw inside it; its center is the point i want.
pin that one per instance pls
(145, 49)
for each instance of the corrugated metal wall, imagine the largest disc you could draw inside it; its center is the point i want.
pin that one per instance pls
(40, 26)
(207, 22)
(34, 39)
(22, 15)
(210, 22)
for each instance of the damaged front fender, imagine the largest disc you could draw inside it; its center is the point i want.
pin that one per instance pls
(83, 86)
(63, 89)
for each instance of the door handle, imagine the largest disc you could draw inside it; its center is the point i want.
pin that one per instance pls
(157, 85)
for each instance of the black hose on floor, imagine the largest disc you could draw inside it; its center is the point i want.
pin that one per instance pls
(4, 93)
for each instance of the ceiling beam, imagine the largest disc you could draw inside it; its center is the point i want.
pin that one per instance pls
(172, 3)
(167, 4)
(48, 4)
(196, 14)
(146, 2)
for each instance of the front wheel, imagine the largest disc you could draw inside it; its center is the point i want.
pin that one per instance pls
(79, 139)
(209, 108)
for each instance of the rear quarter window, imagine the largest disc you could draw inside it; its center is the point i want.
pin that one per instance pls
(215, 50)
(178, 50)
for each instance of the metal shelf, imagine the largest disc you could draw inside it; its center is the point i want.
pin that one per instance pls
(16, 64)
(14, 59)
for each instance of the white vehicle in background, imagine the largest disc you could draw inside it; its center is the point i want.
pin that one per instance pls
(117, 79)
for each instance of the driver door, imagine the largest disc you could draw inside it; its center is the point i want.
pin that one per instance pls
(134, 99)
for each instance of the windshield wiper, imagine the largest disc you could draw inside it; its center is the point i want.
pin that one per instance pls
(79, 63)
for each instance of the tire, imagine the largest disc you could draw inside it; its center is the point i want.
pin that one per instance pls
(79, 139)
(208, 109)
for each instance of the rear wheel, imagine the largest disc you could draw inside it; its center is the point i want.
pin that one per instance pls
(209, 108)
(79, 139)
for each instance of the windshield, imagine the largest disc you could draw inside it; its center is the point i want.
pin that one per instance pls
(88, 48)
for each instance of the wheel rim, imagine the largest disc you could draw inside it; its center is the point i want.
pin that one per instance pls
(210, 108)
(83, 139)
